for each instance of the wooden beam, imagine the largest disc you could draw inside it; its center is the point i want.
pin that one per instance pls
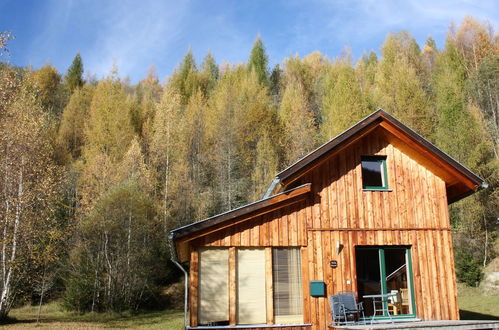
(377, 229)
(232, 286)
(193, 290)
(269, 286)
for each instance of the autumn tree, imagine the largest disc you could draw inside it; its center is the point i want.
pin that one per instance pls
(399, 84)
(28, 184)
(71, 130)
(297, 122)
(49, 90)
(164, 151)
(344, 103)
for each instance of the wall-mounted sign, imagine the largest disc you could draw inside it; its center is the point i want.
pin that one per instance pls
(333, 263)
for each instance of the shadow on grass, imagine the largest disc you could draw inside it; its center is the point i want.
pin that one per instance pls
(467, 315)
(13, 320)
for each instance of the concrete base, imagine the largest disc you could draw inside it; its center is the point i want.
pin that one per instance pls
(426, 325)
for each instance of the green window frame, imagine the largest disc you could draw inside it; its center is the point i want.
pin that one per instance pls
(368, 162)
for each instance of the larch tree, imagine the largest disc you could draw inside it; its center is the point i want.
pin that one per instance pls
(399, 84)
(48, 86)
(458, 132)
(228, 185)
(298, 123)
(344, 103)
(71, 130)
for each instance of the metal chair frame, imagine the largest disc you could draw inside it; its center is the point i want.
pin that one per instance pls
(345, 309)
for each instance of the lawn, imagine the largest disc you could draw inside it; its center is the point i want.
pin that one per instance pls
(53, 316)
(473, 306)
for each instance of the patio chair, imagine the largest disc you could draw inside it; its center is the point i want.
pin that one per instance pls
(337, 310)
(345, 309)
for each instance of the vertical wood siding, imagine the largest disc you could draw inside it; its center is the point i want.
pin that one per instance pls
(414, 212)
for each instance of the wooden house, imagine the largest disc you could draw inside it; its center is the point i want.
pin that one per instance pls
(366, 212)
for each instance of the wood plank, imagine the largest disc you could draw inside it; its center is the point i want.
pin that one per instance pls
(293, 227)
(452, 287)
(323, 192)
(232, 286)
(284, 228)
(442, 274)
(275, 228)
(244, 235)
(416, 274)
(305, 284)
(193, 287)
(351, 220)
(312, 275)
(394, 221)
(425, 276)
(342, 192)
(357, 188)
(318, 259)
(269, 303)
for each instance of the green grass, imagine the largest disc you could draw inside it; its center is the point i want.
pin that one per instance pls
(52, 316)
(474, 306)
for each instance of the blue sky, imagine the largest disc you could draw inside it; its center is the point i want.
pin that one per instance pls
(138, 34)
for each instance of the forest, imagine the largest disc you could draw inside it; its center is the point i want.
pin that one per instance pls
(94, 173)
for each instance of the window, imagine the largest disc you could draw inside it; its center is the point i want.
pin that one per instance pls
(250, 286)
(286, 273)
(374, 174)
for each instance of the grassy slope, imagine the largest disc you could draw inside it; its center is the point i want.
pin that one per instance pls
(472, 305)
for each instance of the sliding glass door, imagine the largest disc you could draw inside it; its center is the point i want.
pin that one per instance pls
(385, 270)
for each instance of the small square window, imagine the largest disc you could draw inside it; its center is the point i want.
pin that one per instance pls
(374, 172)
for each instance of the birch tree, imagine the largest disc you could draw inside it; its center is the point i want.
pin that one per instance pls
(27, 183)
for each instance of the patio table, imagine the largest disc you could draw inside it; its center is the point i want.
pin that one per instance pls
(380, 304)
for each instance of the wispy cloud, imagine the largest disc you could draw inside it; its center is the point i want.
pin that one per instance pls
(137, 34)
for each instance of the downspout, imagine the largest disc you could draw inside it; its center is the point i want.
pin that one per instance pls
(271, 188)
(173, 254)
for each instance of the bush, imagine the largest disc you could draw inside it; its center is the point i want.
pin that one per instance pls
(468, 268)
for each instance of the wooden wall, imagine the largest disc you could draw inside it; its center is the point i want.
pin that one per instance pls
(413, 212)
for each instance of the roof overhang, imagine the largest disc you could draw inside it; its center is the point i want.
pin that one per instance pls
(181, 236)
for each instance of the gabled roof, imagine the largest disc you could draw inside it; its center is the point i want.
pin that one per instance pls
(467, 182)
